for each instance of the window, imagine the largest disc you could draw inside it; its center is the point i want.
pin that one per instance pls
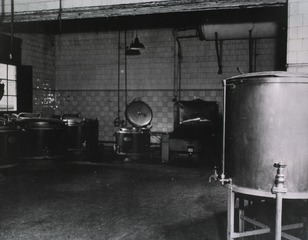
(8, 92)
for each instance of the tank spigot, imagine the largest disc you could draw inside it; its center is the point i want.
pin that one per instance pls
(190, 150)
(214, 176)
(279, 178)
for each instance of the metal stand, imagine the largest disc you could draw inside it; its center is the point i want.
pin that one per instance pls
(279, 192)
(279, 189)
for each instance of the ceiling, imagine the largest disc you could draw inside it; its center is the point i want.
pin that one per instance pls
(174, 14)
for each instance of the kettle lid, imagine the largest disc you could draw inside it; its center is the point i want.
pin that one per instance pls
(138, 113)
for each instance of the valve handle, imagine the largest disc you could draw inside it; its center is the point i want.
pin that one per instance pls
(280, 164)
(279, 180)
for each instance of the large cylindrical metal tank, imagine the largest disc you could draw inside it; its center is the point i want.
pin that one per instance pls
(8, 144)
(266, 121)
(42, 138)
(82, 133)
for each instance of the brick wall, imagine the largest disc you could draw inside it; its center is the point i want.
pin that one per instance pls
(297, 49)
(87, 73)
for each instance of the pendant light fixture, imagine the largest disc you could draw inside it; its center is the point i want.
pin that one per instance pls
(136, 45)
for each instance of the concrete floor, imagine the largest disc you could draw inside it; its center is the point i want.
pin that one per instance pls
(112, 200)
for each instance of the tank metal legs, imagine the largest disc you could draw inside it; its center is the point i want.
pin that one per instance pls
(243, 195)
(230, 224)
(279, 189)
(238, 193)
(279, 192)
(278, 219)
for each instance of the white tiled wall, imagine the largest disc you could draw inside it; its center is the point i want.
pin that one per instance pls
(90, 61)
(38, 50)
(297, 52)
(78, 73)
(87, 73)
(104, 106)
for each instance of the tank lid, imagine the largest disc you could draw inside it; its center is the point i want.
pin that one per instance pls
(128, 130)
(26, 115)
(275, 76)
(40, 122)
(138, 113)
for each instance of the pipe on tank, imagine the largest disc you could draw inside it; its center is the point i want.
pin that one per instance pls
(223, 133)
(178, 59)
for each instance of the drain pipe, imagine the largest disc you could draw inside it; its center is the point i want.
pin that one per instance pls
(117, 121)
(119, 71)
(224, 132)
(125, 71)
(60, 15)
(250, 51)
(223, 178)
(178, 60)
(12, 29)
(175, 72)
(218, 53)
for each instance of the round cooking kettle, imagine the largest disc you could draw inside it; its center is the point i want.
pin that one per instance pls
(8, 143)
(41, 138)
(135, 140)
(82, 132)
(74, 125)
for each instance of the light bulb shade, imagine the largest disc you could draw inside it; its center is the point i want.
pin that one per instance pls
(136, 45)
(132, 52)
